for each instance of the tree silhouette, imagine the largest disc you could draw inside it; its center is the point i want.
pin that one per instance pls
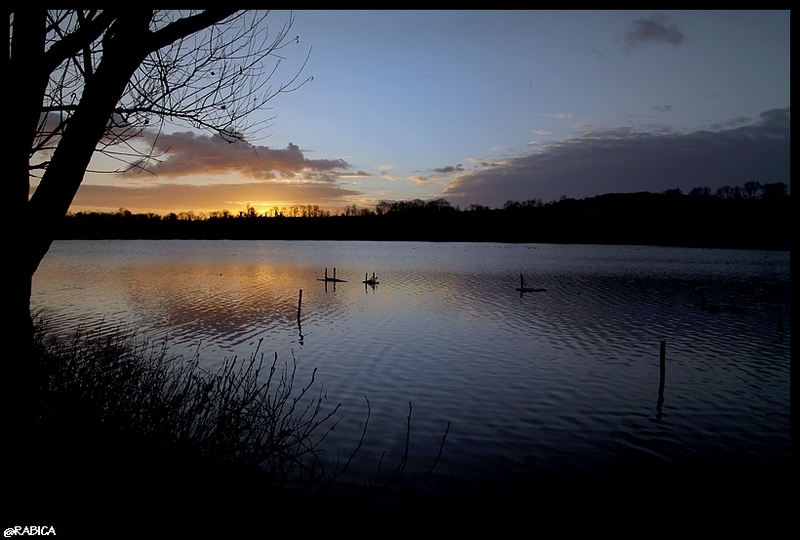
(750, 190)
(81, 82)
(774, 192)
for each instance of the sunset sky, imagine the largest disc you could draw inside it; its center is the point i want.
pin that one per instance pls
(481, 107)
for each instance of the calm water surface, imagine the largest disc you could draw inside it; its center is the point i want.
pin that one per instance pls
(563, 382)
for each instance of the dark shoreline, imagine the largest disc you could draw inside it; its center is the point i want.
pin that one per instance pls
(614, 219)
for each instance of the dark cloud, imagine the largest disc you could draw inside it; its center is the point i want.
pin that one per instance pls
(732, 123)
(426, 180)
(449, 169)
(185, 153)
(655, 30)
(52, 124)
(625, 160)
(662, 108)
(777, 119)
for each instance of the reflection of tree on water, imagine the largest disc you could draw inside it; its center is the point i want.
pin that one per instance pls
(523, 289)
(774, 297)
(326, 286)
(333, 279)
(772, 294)
(718, 308)
(370, 281)
(661, 378)
(299, 308)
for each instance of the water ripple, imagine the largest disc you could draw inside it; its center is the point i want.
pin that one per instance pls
(563, 380)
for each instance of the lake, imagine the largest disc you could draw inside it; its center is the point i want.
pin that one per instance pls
(563, 383)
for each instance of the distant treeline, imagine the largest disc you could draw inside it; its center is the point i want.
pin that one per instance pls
(754, 216)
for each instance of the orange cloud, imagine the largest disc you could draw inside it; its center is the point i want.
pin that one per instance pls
(233, 176)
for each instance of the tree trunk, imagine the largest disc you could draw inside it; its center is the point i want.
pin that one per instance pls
(33, 222)
(25, 89)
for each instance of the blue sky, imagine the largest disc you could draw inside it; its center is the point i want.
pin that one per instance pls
(481, 107)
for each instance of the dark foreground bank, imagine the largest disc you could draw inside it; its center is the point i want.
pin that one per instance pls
(127, 443)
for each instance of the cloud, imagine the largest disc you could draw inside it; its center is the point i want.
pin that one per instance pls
(626, 160)
(439, 173)
(662, 108)
(732, 123)
(560, 116)
(256, 175)
(184, 154)
(52, 124)
(357, 174)
(653, 30)
(449, 169)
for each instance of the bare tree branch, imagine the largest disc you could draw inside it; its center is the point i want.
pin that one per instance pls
(205, 70)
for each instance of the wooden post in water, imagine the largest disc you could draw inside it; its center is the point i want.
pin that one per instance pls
(299, 304)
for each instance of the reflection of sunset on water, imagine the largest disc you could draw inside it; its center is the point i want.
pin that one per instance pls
(558, 373)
